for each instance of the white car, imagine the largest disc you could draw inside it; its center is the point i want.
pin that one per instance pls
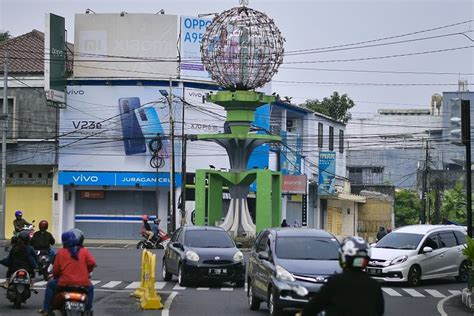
(419, 252)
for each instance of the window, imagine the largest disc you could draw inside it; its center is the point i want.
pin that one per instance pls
(175, 235)
(10, 175)
(320, 135)
(30, 175)
(396, 240)
(431, 241)
(40, 175)
(263, 242)
(307, 248)
(331, 138)
(341, 141)
(20, 175)
(208, 239)
(447, 239)
(460, 237)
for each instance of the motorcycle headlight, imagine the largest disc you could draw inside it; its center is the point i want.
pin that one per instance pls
(238, 256)
(192, 256)
(283, 275)
(399, 260)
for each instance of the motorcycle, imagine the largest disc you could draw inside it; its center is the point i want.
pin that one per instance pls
(156, 242)
(43, 263)
(18, 290)
(29, 228)
(71, 301)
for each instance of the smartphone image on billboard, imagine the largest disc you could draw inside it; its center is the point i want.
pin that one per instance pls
(150, 125)
(133, 139)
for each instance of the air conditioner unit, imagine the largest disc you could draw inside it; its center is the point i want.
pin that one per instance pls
(291, 125)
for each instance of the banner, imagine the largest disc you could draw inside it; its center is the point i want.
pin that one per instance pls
(327, 173)
(55, 58)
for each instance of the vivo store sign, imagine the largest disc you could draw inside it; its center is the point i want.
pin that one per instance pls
(142, 179)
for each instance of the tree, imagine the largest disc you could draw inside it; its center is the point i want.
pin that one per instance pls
(454, 204)
(407, 208)
(336, 106)
(5, 36)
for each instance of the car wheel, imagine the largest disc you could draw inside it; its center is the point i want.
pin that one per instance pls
(463, 272)
(165, 274)
(181, 279)
(414, 276)
(141, 245)
(273, 305)
(254, 302)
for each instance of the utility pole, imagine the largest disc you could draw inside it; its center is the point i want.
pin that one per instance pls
(4, 145)
(466, 139)
(172, 167)
(424, 187)
(184, 141)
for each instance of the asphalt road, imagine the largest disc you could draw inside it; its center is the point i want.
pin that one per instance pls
(118, 273)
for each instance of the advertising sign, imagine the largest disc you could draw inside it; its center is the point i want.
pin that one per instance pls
(290, 158)
(327, 173)
(192, 30)
(126, 45)
(55, 58)
(294, 184)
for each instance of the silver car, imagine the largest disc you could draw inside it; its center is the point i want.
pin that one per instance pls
(419, 252)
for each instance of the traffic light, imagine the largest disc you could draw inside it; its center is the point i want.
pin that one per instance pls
(459, 121)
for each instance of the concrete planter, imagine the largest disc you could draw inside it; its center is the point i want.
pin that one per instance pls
(467, 298)
(470, 280)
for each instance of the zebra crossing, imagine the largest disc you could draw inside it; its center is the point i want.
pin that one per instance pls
(174, 286)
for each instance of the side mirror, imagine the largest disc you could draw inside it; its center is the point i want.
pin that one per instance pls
(177, 245)
(239, 245)
(262, 255)
(427, 249)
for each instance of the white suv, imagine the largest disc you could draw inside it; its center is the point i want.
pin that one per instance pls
(420, 252)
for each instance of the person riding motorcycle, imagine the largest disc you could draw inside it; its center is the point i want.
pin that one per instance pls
(43, 240)
(19, 222)
(156, 227)
(146, 229)
(352, 292)
(21, 256)
(72, 267)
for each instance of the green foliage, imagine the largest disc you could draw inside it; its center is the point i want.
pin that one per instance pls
(336, 106)
(407, 208)
(4, 36)
(468, 251)
(454, 204)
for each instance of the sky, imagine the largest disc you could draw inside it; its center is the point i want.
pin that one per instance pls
(373, 83)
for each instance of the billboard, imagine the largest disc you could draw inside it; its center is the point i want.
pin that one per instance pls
(55, 58)
(291, 149)
(126, 45)
(327, 173)
(192, 30)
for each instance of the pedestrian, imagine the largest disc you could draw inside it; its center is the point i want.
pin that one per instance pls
(352, 292)
(297, 223)
(284, 223)
(381, 234)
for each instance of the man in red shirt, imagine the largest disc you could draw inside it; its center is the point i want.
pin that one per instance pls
(72, 265)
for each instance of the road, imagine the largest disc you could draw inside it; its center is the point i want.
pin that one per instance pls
(118, 273)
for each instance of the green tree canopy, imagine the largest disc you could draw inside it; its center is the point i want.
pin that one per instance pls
(407, 208)
(336, 106)
(4, 36)
(454, 204)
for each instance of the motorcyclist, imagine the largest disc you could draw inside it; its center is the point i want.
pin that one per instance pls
(19, 222)
(351, 292)
(43, 240)
(155, 228)
(21, 256)
(146, 229)
(72, 266)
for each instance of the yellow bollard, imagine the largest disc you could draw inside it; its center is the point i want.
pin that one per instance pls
(150, 299)
(140, 291)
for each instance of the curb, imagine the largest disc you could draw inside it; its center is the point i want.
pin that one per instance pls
(467, 298)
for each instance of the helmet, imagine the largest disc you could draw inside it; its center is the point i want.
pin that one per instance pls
(43, 225)
(145, 217)
(68, 238)
(157, 221)
(354, 253)
(79, 235)
(25, 236)
(18, 213)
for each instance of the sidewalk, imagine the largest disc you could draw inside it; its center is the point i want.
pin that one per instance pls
(454, 307)
(95, 243)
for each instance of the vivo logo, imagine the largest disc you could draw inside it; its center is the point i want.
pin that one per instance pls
(83, 178)
(197, 94)
(75, 92)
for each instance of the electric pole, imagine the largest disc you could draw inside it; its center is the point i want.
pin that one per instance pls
(466, 140)
(172, 167)
(4, 145)
(424, 190)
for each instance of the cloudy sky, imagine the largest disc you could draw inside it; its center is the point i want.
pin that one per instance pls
(402, 72)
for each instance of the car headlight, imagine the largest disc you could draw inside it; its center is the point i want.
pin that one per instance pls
(238, 256)
(283, 275)
(399, 260)
(192, 256)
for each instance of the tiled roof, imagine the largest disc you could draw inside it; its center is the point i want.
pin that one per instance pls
(26, 53)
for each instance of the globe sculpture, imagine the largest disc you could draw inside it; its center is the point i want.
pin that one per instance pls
(242, 50)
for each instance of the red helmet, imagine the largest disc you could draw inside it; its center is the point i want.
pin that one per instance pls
(43, 225)
(145, 217)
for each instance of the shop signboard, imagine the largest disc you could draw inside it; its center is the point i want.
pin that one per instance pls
(327, 173)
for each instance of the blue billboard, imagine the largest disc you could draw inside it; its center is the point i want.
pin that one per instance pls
(327, 173)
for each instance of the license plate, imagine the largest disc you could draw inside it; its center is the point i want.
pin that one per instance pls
(372, 271)
(75, 306)
(217, 271)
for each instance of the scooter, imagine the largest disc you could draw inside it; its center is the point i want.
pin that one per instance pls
(43, 263)
(18, 290)
(71, 301)
(156, 242)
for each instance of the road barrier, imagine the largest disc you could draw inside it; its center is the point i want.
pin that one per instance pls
(146, 292)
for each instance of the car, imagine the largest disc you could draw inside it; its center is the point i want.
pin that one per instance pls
(420, 252)
(203, 253)
(283, 259)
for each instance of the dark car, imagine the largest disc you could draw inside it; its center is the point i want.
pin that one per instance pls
(203, 253)
(283, 259)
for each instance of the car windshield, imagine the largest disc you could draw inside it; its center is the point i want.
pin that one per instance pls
(208, 239)
(400, 241)
(307, 248)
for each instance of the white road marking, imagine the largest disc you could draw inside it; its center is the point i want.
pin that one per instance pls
(455, 292)
(167, 305)
(390, 291)
(2, 280)
(413, 293)
(133, 285)
(440, 305)
(111, 284)
(178, 288)
(202, 289)
(229, 289)
(435, 293)
(159, 285)
(41, 283)
(95, 282)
